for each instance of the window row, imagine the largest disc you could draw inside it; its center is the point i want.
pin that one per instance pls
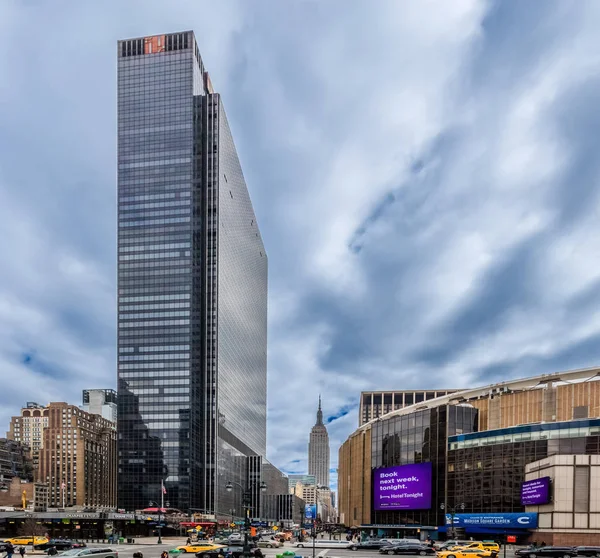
(145, 155)
(165, 314)
(161, 356)
(153, 129)
(169, 212)
(160, 306)
(159, 163)
(153, 256)
(143, 336)
(147, 222)
(170, 179)
(155, 348)
(156, 118)
(146, 266)
(149, 247)
(140, 243)
(180, 374)
(156, 323)
(155, 298)
(154, 205)
(183, 382)
(156, 196)
(183, 365)
(148, 291)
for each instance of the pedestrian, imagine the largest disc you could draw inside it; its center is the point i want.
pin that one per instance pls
(52, 551)
(22, 551)
(189, 541)
(10, 550)
(164, 554)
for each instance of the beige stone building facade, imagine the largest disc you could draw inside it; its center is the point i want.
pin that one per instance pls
(78, 458)
(27, 429)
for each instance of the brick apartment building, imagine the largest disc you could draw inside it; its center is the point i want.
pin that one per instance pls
(78, 458)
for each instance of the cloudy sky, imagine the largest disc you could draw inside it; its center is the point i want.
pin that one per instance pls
(425, 175)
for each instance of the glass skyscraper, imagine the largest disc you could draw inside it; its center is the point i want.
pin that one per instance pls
(192, 287)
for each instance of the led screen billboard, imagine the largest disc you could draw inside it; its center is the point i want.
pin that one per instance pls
(405, 487)
(310, 511)
(535, 492)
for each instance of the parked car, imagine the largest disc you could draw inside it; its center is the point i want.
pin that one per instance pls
(323, 543)
(101, 552)
(59, 544)
(588, 551)
(547, 551)
(368, 545)
(410, 549)
(465, 553)
(270, 543)
(401, 541)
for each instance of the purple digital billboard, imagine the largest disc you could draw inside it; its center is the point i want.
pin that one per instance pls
(405, 487)
(535, 492)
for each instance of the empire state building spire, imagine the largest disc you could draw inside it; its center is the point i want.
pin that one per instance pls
(318, 450)
(319, 414)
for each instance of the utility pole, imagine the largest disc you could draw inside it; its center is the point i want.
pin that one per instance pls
(162, 505)
(246, 502)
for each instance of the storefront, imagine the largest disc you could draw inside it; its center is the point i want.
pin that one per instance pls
(383, 531)
(80, 526)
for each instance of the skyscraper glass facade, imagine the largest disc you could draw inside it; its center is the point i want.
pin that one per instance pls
(192, 280)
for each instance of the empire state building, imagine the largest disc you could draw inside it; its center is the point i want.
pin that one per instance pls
(318, 451)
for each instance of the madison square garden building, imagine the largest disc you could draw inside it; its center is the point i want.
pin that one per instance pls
(520, 459)
(192, 287)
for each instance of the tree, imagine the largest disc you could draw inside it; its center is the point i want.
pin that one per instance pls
(31, 528)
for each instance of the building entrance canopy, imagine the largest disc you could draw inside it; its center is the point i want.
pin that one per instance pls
(494, 522)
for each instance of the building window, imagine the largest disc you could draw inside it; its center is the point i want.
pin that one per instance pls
(582, 490)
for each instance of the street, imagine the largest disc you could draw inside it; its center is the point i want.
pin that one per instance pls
(150, 550)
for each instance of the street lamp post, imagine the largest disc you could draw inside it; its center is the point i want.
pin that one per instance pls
(246, 501)
(452, 511)
(162, 503)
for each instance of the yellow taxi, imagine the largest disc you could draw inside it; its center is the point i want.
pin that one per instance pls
(26, 540)
(492, 546)
(465, 553)
(201, 547)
